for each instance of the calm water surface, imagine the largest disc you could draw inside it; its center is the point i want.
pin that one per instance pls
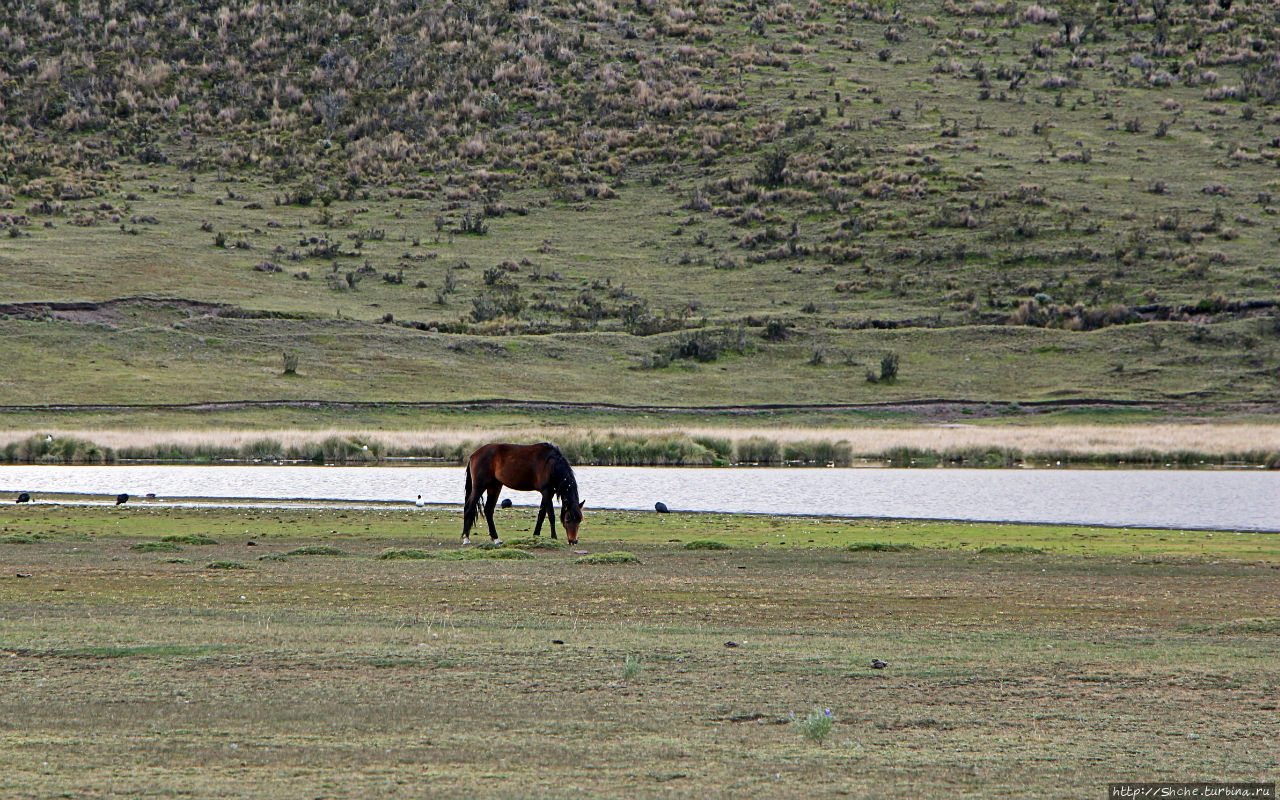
(1224, 500)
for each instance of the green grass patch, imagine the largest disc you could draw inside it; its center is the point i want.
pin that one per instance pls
(467, 554)
(136, 651)
(156, 547)
(317, 550)
(189, 538)
(1255, 625)
(613, 557)
(536, 543)
(879, 547)
(223, 564)
(273, 557)
(404, 554)
(706, 544)
(1009, 549)
(21, 538)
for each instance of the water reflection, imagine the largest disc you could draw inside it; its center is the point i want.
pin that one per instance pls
(1245, 500)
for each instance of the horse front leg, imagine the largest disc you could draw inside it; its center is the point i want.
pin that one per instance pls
(489, 505)
(544, 510)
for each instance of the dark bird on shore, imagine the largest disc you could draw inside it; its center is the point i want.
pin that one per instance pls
(878, 664)
(122, 498)
(24, 497)
(660, 507)
(506, 503)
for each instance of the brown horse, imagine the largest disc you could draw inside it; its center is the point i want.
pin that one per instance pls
(525, 468)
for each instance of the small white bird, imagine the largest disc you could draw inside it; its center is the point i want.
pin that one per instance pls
(419, 502)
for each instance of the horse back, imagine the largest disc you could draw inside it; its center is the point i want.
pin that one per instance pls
(523, 467)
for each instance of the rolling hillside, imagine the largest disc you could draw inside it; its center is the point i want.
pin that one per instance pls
(648, 202)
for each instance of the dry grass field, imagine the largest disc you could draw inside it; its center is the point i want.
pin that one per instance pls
(131, 670)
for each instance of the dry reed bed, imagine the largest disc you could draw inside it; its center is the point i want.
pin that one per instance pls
(692, 444)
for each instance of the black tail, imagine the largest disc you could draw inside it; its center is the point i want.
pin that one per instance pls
(468, 507)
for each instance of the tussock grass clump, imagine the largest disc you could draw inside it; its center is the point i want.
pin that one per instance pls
(273, 557)
(1010, 549)
(156, 547)
(631, 668)
(706, 544)
(317, 550)
(45, 449)
(757, 450)
(537, 543)
(404, 554)
(615, 557)
(818, 451)
(225, 565)
(470, 554)
(190, 538)
(633, 450)
(505, 554)
(879, 547)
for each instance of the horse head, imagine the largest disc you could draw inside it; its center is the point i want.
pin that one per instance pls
(571, 517)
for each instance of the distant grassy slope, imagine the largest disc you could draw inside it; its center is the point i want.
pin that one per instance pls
(977, 173)
(221, 360)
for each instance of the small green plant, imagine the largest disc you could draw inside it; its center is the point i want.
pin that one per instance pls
(615, 557)
(631, 668)
(816, 726)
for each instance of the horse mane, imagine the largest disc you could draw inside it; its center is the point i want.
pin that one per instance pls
(563, 479)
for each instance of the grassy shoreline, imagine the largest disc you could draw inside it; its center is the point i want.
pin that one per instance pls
(1154, 444)
(320, 668)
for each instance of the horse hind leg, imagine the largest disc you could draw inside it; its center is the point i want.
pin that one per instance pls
(469, 510)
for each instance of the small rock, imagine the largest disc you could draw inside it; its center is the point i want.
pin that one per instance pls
(878, 664)
(557, 641)
(730, 644)
(250, 543)
(24, 574)
(660, 507)
(506, 503)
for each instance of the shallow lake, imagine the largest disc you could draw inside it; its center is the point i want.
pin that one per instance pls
(1220, 500)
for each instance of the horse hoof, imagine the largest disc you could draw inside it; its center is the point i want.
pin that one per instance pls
(466, 542)
(497, 543)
